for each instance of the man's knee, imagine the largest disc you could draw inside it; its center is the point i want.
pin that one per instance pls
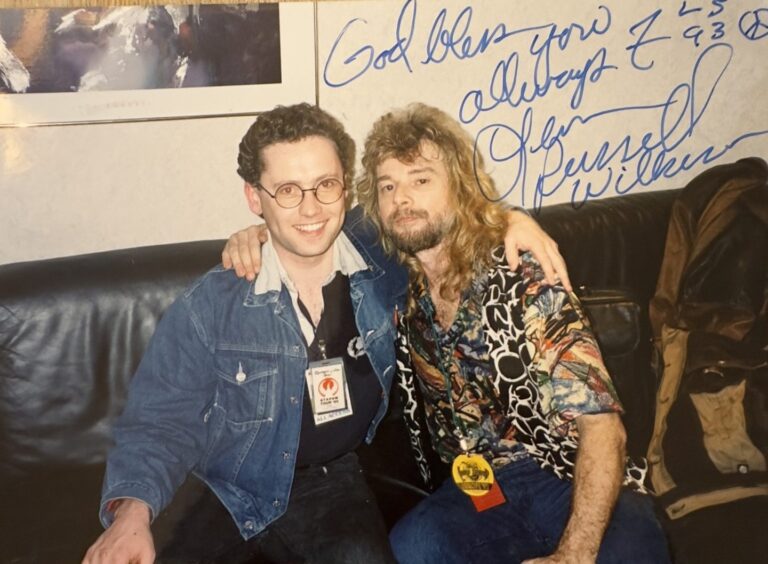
(419, 536)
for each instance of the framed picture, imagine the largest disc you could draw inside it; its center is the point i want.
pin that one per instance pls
(131, 63)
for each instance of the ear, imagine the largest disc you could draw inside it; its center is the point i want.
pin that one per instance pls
(253, 198)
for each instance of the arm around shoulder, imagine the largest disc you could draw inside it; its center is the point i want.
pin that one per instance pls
(243, 251)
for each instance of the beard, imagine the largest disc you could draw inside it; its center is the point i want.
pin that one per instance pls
(416, 240)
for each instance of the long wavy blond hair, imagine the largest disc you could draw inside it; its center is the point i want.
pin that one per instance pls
(479, 223)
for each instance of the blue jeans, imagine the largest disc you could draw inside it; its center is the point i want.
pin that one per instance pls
(446, 528)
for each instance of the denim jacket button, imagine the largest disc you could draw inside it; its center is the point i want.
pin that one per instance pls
(276, 503)
(240, 376)
(249, 525)
(286, 455)
(294, 400)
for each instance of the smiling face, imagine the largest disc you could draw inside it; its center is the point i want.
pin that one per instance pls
(304, 234)
(414, 200)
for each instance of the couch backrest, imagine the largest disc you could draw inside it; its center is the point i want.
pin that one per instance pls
(72, 332)
(73, 329)
(613, 242)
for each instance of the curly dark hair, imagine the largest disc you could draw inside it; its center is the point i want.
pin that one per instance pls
(287, 124)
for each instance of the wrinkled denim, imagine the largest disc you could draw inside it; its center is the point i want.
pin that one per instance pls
(445, 528)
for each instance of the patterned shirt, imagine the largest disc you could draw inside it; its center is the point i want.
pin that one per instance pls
(566, 365)
(473, 406)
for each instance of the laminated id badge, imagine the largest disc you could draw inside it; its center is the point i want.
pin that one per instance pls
(474, 476)
(328, 392)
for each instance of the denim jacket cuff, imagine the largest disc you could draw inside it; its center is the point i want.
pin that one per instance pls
(127, 490)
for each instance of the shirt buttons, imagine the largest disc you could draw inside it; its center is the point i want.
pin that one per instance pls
(286, 455)
(294, 400)
(249, 525)
(276, 503)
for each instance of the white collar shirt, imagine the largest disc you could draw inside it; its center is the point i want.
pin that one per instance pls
(346, 259)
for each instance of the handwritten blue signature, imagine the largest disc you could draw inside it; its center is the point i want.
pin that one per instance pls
(620, 164)
(634, 160)
(504, 86)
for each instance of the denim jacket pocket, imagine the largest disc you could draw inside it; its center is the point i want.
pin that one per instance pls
(245, 387)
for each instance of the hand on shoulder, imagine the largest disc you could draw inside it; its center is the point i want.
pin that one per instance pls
(524, 234)
(243, 251)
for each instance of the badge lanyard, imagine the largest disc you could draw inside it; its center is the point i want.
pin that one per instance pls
(466, 442)
(327, 382)
(471, 472)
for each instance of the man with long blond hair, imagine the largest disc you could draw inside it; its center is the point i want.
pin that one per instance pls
(499, 369)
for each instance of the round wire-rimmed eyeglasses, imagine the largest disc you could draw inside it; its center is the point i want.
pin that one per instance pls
(327, 191)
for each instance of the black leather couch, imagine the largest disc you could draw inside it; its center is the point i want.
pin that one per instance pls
(72, 331)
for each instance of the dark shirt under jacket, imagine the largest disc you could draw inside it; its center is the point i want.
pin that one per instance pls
(321, 443)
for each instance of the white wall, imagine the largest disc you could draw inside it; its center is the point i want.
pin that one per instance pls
(75, 189)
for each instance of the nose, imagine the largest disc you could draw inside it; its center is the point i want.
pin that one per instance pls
(401, 195)
(309, 206)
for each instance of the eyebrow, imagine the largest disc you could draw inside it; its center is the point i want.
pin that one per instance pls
(411, 172)
(421, 170)
(314, 182)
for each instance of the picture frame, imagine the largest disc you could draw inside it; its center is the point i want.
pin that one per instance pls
(297, 60)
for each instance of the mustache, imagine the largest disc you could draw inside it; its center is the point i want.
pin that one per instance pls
(400, 213)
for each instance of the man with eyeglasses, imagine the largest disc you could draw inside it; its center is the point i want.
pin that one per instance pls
(264, 389)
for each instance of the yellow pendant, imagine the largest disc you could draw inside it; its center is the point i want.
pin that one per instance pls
(472, 474)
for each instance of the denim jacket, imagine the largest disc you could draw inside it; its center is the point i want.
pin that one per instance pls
(219, 391)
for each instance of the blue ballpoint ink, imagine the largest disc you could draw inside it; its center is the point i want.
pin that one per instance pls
(562, 36)
(754, 24)
(460, 43)
(504, 88)
(719, 7)
(623, 165)
(686, 11)
(366, 56)
(642, 41)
